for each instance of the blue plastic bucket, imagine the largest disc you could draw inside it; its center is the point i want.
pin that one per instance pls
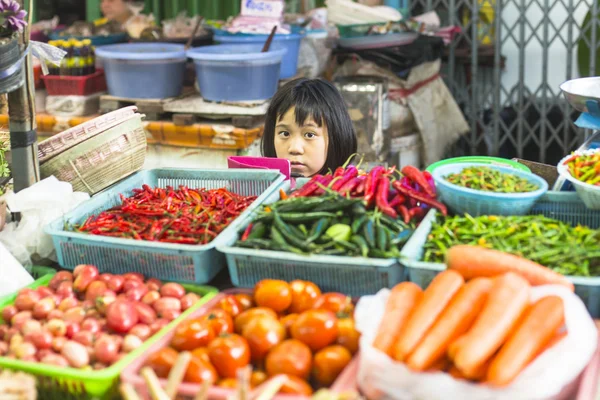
(237, 72)
(143, 70)
(291, 42)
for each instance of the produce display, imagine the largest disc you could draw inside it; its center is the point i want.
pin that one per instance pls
(184, 215)
(554, 244)
(585, 167)
(473, 327)
(282, 328)
(409, 196)
(491, 180)
(88, 320)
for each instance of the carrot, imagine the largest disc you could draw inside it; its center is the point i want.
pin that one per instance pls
(440, 365)
(282, 194)
(474, 261)
(456, 374)
(455, 321)
(403, 299)
(505, 304)
(532, 335)
(435, 299)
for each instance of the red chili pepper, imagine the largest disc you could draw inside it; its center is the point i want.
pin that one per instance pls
(412, 193)
(431, 182)
(360, 189)
(417, 177)
(325, 181)
(349, 186)
(416, 212)
(371, 184)
(247, 232)
(350, 173)
(397, 200)
(404, 213)
(308, 188)
(381, 199)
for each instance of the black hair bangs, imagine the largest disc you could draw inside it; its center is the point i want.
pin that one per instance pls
(307, 105)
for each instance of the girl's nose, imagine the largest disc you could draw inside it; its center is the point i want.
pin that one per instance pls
(296, 147)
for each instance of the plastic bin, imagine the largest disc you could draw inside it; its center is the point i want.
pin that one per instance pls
(144, 70)
(563, 206)
(58, 85)
(355, 276)
(236, 72)
(477, 202)
(290, 42)
(346, 380)
(70, 383)
(589, 194)
(505, 162)
(166, 261)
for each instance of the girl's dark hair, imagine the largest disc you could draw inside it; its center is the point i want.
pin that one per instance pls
(320, 100)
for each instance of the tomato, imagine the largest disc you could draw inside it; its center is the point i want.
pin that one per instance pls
(165, 304)
(104, 278)
(106, 350)
(116, 283)
(262, 335)
(337, 303)
(245, 301)
(199, 371)
(258, 378)
(316, 328)
(191, 334)
(304, 295)
(231, 305)
(142, 331)
(189, 300)
(60, 277)
(348, 336)
(220, 321)
(287, 322)
(146, 314)
(43, 308)
(201, 353)
(132, 284)
(86, 276)
(290, 357)
(228, 353)
(242, 320)
(227, 383)
(8, 312)
(297, 386)
(95, 289)
(65, 289)
(76, 314)
(273, 293)
(154, 284)
(172, 290)
(162, 361)
(133, 276)
(25, 301)
(137, 293)
(150, 297)
(329, 363)
(121, 316)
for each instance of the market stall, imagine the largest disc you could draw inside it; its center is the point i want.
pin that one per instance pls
(471, 278)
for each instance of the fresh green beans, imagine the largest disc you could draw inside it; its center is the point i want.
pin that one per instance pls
(491, 180)
(565, 249)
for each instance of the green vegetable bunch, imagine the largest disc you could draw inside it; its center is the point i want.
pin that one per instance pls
(491, 180)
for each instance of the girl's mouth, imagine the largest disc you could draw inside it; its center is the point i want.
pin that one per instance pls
(297, 164)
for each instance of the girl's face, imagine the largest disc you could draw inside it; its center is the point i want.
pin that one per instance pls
(304, 146)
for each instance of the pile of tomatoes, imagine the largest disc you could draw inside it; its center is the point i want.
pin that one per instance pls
(283, 328)
(88, 320)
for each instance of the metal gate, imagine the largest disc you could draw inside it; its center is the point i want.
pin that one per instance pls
(505, 67)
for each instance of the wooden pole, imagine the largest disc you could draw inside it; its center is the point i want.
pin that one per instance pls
(23, 134)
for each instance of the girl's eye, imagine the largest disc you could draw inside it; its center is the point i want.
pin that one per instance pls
(309, 135)
(284, 134)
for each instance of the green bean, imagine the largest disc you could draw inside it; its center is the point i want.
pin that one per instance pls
(491, 180)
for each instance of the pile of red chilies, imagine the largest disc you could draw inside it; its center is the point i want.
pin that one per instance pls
(409, 196)
(185, 216)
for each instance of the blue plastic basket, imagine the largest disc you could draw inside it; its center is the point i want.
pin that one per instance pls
(563, 206)
(476, 202)
(355, 276)
(166, 261)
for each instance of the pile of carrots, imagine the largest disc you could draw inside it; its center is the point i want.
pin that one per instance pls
(475, 320)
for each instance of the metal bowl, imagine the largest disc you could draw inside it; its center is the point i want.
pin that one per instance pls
(583, 94)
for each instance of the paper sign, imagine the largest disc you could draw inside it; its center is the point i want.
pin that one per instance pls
(263, 8)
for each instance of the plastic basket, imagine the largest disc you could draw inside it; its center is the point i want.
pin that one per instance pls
(355, 276)
(59, 85)
(476, 202)
(563, 206)
(175, 262)
(589, 194)
(346, 380)
(356, 30)
(481, 160)
(66, 383)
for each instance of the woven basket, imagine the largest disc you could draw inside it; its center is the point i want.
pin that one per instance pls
(102, 160)
(80, 133)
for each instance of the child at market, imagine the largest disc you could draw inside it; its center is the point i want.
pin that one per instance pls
(308, 124)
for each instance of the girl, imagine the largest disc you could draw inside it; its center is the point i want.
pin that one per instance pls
(116, 10)
(308, 124)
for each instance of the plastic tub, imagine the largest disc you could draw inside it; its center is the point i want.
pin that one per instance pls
(290, 42)
(237, 72)
(144, 70)
(477, 202)
(505, 162)
(589, 194)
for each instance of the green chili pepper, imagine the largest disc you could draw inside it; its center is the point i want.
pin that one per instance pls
(491, 180)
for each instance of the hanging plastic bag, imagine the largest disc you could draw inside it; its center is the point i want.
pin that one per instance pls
(551, 376)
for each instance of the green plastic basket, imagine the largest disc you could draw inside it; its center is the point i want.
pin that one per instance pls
(40, 272)
(480, 160)
(355, 276)
(70, 383)
(563, 206)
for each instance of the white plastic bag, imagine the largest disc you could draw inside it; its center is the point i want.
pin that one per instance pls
(39, 205)
(12, 274)
(550, 377)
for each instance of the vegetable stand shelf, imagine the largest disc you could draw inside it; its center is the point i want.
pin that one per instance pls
(166, 261)
(563, 206)
(354, 276)
(70, 383)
